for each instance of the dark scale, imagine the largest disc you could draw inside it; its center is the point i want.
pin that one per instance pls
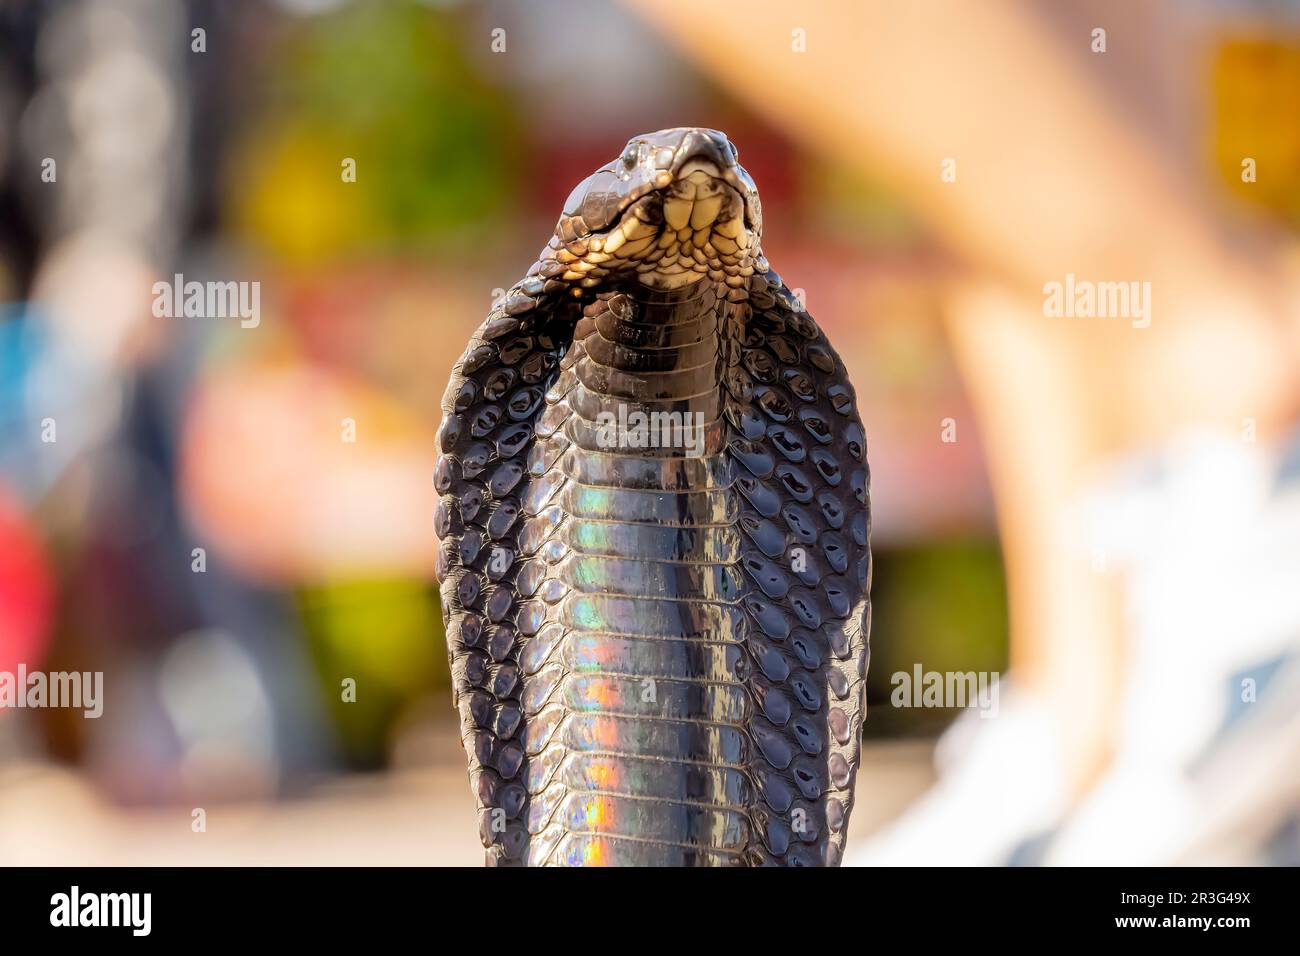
(654, 569)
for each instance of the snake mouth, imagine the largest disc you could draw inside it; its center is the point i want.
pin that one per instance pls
(675, 208)
(709, 177)
(697, 165)
(675, 235)
(698, 200)
(697, 193)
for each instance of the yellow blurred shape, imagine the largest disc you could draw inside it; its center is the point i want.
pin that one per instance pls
(289, 196)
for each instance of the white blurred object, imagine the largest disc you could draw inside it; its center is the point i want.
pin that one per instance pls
(999, 781)
(1214, 602)
(1207, 764)
(219, 709)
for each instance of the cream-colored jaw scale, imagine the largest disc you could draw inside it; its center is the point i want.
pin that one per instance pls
(682, 208)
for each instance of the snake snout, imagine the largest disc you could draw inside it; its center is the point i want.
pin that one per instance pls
(699, 150)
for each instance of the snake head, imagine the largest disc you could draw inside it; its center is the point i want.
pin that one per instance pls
(675, 207)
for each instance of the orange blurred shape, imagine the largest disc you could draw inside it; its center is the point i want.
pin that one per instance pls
(294, 473)
(1256, 139)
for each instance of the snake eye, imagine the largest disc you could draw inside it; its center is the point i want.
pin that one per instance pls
(735, 153)
(629, 155)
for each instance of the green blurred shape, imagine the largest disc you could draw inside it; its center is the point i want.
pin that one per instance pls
(386, 636)
(942, 605)
(389, 86)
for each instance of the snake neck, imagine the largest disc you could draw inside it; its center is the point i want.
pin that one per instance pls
(635, 680)
(650, 364)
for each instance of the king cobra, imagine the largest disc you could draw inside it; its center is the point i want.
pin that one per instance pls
(654, 523)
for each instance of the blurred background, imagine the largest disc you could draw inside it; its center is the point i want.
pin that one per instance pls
(231, 522)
